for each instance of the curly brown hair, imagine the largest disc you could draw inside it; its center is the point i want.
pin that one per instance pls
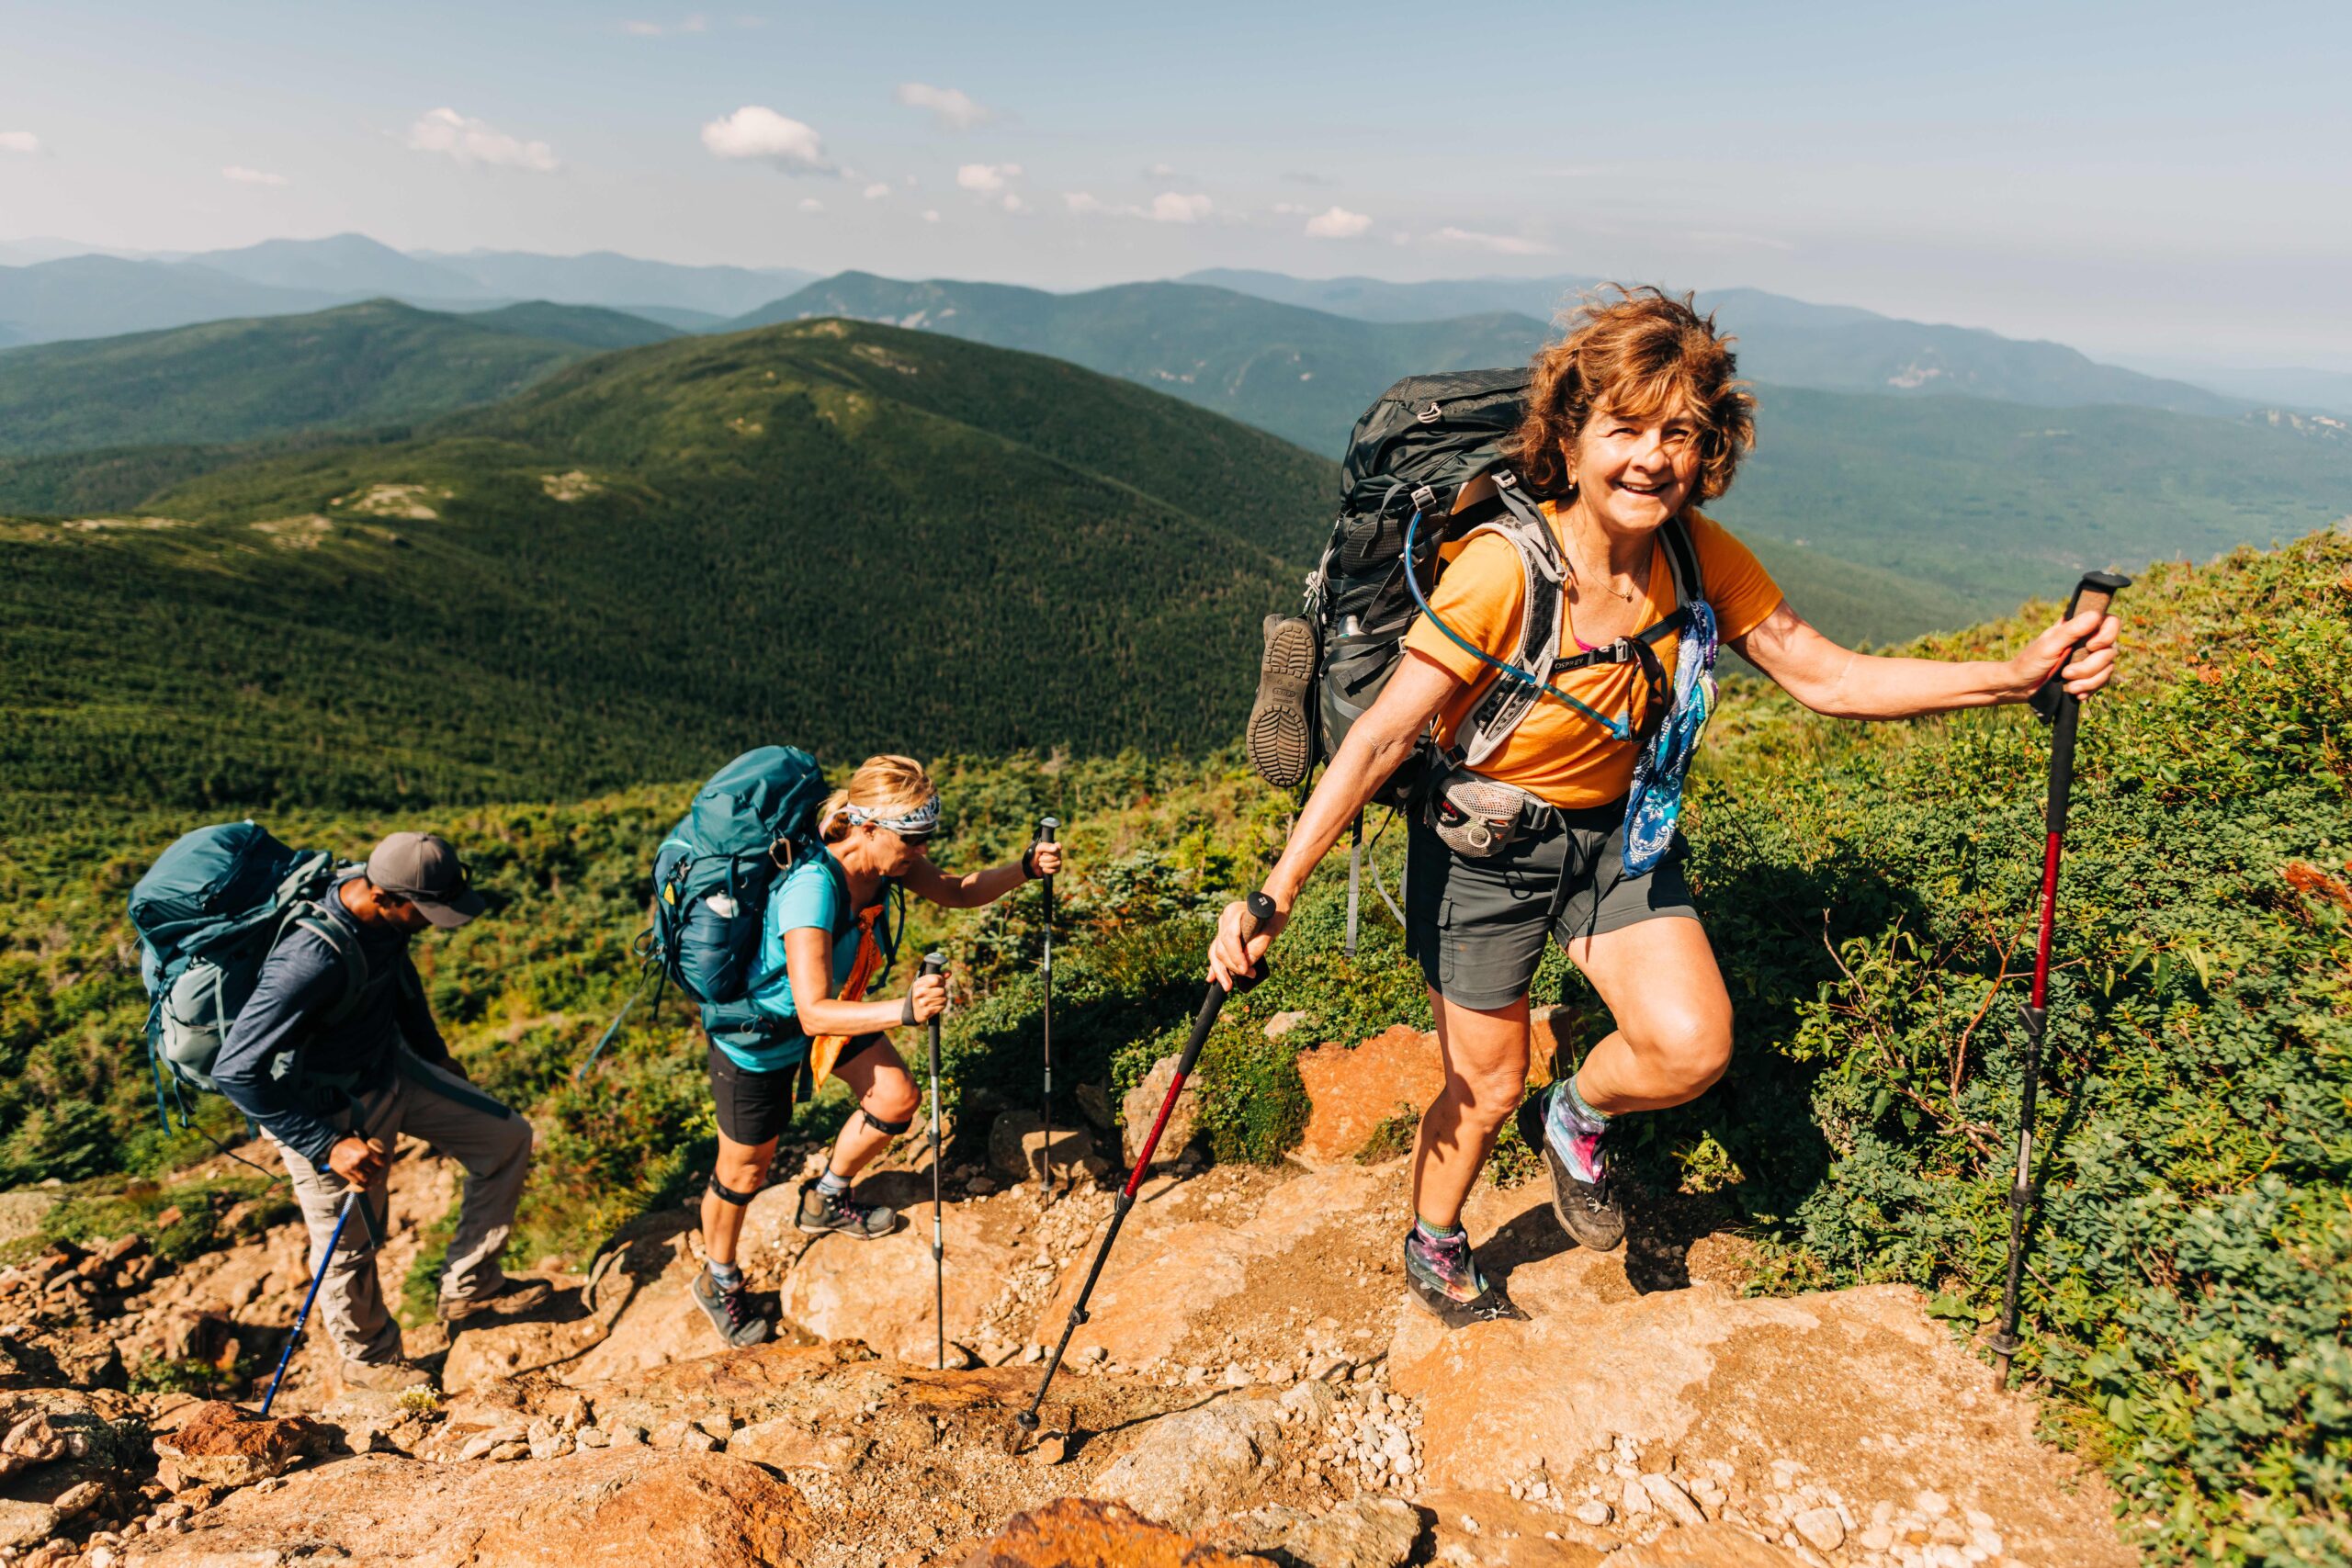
(1643, 354)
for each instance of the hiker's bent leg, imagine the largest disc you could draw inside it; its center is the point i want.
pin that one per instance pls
(1485, 1055)
(887, 1103)
(741, 1169)
(1659, 982)
(351, 1297)
(493, 1146)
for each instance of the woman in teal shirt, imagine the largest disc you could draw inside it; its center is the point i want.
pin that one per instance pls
(823, 944)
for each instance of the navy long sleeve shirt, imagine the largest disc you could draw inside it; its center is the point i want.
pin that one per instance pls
(278, 1038)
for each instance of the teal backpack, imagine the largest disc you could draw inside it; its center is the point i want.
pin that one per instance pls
(712, 876)
(208, 912)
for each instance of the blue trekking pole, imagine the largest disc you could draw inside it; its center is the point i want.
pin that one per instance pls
(341, 1219)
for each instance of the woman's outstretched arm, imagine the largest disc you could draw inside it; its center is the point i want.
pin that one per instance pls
(1845, 684)
(975, 888)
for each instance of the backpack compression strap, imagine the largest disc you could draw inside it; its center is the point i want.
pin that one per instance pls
(349, 959)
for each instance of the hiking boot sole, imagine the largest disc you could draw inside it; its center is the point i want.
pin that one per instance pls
(1602, 1233)
(1280, 740)
(805, 1228)
(524, 1298)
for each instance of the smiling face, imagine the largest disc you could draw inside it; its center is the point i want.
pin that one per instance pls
(1633, 472)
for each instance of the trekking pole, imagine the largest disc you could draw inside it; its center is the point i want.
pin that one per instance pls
(2096, 592)
(1046, 827)
(342, 1218)
(1356, 879)
(1261, 910)
(932, 964)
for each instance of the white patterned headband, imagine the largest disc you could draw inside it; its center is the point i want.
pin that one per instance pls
(920, 823)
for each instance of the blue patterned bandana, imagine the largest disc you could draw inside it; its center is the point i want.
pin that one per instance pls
(1653, 809)
(920, 823)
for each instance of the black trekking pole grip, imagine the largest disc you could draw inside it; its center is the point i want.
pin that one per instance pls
(1257, 911)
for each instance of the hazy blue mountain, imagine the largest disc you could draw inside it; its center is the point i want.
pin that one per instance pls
(345, 264)
(1794, 343)
(2284, 386)
(92, 296)
(10, 336)
(1305, 375)
(605, 277)
(677, 316)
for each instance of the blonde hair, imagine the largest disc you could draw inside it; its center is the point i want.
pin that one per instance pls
(885, 786)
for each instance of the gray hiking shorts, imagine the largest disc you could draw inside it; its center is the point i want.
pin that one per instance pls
(1477, 927)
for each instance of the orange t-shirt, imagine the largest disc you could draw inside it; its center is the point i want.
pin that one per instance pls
(1556, 753)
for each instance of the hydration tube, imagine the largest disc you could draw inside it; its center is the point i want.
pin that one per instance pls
(1619, 728)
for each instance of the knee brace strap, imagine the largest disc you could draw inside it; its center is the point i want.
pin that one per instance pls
(729, 1194)
(892, 1128)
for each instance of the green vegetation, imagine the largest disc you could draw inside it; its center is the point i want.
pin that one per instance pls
(372, 364)
(856, 536)
(1870, 890)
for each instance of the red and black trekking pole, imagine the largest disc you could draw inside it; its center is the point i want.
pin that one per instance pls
(2096, 592)
(1261, 910)
(1046, 827)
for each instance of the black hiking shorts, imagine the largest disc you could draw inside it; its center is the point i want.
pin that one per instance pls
(755, 1107)
(1477, 927)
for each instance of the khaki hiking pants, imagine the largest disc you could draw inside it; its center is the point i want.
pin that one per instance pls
(492, 1143)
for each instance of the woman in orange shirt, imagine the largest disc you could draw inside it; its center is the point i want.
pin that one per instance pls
(1631, 419)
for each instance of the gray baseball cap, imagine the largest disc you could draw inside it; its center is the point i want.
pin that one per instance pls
(425, 869)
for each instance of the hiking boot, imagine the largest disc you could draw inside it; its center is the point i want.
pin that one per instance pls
(396, 1376)
(730, 1312)
(822, 1212)
(511, 1299)
(1443, 1277)
(1281, 737)
(1590, 1211)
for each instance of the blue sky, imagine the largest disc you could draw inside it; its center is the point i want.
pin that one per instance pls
(2151, 179)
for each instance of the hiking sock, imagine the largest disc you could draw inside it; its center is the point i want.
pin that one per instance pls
(1444, 1255)
(1574, 1128)
(832, 1186)
(725, 1276)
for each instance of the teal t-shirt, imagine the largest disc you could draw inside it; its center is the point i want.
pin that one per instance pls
(812, 895)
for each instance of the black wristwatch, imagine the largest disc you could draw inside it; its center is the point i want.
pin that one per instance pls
(1029, 863)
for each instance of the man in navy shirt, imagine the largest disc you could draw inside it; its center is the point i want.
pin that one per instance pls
(335, 1054)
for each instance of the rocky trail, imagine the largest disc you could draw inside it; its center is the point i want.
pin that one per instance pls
(1252, 1387)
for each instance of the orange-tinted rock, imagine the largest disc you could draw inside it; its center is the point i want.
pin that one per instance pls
(1354, 1089)
(616, 1507)
(1078, 1532)
(1141, 1107)
(219, 1445)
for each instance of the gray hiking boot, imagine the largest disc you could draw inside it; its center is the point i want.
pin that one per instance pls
(1280, 738)
(396, 1376)
(822, 1212)
(730, 1312)
(1591, 1211)
(511, 1299)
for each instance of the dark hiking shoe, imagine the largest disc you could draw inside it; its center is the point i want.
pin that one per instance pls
(1590, 1211)
(1280, 740)
(730, 1312)
(511, 1299)
(820, 1212)
(1443, 1277)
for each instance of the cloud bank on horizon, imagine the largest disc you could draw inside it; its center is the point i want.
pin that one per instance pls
(1917, 164)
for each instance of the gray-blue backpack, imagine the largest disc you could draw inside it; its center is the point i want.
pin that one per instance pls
(208, 912)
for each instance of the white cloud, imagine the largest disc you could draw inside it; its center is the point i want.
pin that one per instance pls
(810, 204)
(1501, 245)
(753, 131)
(446, 131)
(1012, 202)
(1338, 223)
(245, 176)
(930, 215)
(1172, 207)
(1161, 171)
(1082, 201)
(877, 190)
(19, 142)
(987, 178)
(950, 108)
(697, 23)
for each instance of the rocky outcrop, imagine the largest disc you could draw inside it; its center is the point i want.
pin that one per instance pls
(1079, 1533)
(1366, 1532)
(1198, 1465)
(620, 1507)
(1017, 1149)
(1141, 1108)
(219, 1444)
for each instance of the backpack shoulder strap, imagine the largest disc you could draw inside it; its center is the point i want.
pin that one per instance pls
(1544, 574)
(341, 941)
